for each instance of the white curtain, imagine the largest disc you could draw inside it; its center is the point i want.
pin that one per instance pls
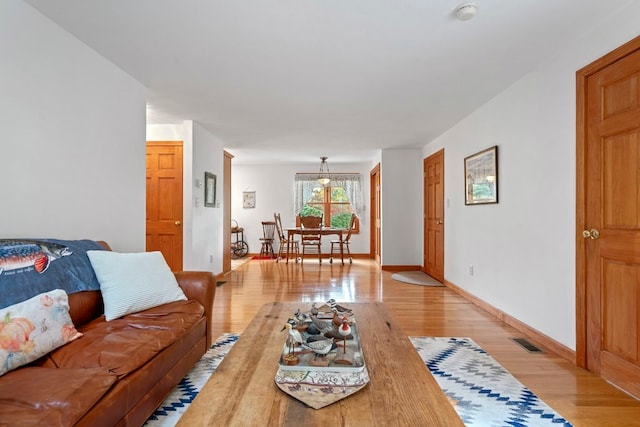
(305, 183)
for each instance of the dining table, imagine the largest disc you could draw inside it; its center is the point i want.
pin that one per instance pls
(325, 231)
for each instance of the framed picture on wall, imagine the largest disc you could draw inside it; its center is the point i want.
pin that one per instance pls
(481, 177)
(209, 190)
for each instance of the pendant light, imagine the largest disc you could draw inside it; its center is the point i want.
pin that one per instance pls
(324, 177)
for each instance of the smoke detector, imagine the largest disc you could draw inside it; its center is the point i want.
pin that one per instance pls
(465, 11)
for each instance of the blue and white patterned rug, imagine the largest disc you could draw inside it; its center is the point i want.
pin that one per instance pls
(483, 393)
(481, 390)
(183, 394)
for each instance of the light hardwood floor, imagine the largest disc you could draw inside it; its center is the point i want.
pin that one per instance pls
(582, 398)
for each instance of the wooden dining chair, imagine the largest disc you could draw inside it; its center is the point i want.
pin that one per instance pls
(268, 235)
(311, 239)
(335, 244)
(311, 221)
(284, 248)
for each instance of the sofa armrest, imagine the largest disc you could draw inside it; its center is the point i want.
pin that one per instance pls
(200, 286)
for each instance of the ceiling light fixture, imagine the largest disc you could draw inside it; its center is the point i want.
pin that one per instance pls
(465, 11)
(324, 177)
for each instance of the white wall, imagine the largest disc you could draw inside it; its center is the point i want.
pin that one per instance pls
(202, 226)
(167, 132)
(73, 137)
(207, 232)
(523, 249)
(273, 185)
(401, 208)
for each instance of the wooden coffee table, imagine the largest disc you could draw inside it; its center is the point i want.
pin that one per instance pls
(401, 391)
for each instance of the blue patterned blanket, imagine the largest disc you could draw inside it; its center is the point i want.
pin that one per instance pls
(29, 267)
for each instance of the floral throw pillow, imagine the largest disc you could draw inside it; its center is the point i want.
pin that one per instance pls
(32, 328)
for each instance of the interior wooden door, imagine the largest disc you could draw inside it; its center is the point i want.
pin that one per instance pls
(164, 200)
(609, 226)
(434, 215)
(375, 213)
(226, 215)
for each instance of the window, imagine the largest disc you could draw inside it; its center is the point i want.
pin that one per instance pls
(335, 202)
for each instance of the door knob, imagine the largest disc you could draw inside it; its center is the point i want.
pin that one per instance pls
(592, 234)
(439, 222)
(177, 223)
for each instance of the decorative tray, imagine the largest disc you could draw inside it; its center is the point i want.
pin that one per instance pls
(325, 372)
(306, 357)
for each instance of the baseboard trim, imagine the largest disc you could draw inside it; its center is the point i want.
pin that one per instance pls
(396, 268)
(538, 337)
(325, 255)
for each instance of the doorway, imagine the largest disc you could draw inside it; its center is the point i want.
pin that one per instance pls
(433, 170)
(226, 214)
(164, 201)
(374, 188)
(608, 217)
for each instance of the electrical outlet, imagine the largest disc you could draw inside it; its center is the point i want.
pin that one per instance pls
(471, 270)
(211, 258)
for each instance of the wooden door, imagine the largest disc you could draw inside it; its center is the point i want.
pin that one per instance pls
(164, 200)
(608, 249)
(226, 214)
(374, 188)
(434, 216)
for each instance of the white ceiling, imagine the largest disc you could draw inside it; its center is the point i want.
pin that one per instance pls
(292, 80)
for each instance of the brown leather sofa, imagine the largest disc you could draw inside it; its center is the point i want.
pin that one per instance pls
(120, 371)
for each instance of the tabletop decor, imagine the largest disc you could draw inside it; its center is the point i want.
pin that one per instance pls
(321, 361)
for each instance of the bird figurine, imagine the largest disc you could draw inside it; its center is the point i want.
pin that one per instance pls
(345, 331)
(314, 309)
(337, 319)
(312, 330)
(333, 304)
(301, 317)
(320, 348)
(323, 326)
(294, 338)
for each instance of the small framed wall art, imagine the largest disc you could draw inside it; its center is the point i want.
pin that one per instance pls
(481, 177)
(209, 190)
(248, 199)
